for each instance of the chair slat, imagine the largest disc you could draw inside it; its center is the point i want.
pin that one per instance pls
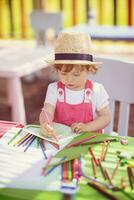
(123, 118)
(109, 128)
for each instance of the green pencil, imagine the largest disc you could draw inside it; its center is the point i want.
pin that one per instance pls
(14, 136)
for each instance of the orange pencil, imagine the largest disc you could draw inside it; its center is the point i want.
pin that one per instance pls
(65, 171)
(123, 183)
(116, 168)
(102, 169)
(104, 150)
(108, 177)
(93, 156)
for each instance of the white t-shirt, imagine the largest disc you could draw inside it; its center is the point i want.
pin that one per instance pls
(99, 96)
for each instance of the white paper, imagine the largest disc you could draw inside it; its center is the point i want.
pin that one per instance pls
(19, 169)
(64, 133)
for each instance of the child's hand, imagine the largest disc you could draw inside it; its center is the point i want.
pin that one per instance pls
(48, 131)
(79, 127)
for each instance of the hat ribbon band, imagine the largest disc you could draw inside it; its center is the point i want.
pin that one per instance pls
(73, 56)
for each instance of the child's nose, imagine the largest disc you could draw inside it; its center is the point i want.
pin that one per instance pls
(69, 78)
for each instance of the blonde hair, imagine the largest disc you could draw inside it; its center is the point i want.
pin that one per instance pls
(68, 67)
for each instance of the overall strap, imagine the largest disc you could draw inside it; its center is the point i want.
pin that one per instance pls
(88, 91)
(61, 91)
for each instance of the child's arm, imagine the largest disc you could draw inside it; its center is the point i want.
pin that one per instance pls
(102, 120)
(46, 118)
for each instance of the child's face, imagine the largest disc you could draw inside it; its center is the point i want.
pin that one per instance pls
(74, 79)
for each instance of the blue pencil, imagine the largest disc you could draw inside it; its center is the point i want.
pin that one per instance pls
(50, 170)
(43, 151)
(28, 140)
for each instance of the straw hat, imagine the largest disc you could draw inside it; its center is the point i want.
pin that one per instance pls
(73, 48)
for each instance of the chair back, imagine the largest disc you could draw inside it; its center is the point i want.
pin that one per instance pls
(42, 21)
(118, 79)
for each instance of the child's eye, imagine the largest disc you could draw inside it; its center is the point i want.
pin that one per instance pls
(63, 73)
(76, 74)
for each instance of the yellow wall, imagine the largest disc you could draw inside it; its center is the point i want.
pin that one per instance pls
(104, 16)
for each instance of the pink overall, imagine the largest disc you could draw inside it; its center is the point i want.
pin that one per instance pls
(67, 113)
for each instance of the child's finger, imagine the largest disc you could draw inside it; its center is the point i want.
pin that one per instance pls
(73, 128)
(46, 131)
(76, 129)
(54, 135)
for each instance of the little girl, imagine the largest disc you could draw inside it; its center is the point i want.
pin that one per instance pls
(75, 100)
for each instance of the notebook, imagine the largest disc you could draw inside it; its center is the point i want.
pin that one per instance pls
(64, 133)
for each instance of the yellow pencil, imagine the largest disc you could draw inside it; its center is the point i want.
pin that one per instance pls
(131, 165)
(21, 139)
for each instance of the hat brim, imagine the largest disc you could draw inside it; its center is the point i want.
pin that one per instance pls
(80, 62)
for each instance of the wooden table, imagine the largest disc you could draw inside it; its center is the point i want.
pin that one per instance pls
(86, 191)
(16, 62)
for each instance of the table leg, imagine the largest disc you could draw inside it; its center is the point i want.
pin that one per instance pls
(16, 99)
(68, 196)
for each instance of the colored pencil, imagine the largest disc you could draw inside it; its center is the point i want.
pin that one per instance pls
(105, 149)
(102, 169)
(131, 165)
(80, 141)
(38, 143)
(99, 141)
(44, 145)
(14, 136)
(25, 139)
(43, 151)
(69, 170)
(116, 168)
(102, 190)
(49, 123)
(93, 167)
(52, 168)
(98, 181)
(54, 145)
(130, 177)
(93, 156)
(47, 118)
(65, 171)
(75, 169)
(30, 143)
(109, 177)
(46, 165)
(123, 183)
(21, 139)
